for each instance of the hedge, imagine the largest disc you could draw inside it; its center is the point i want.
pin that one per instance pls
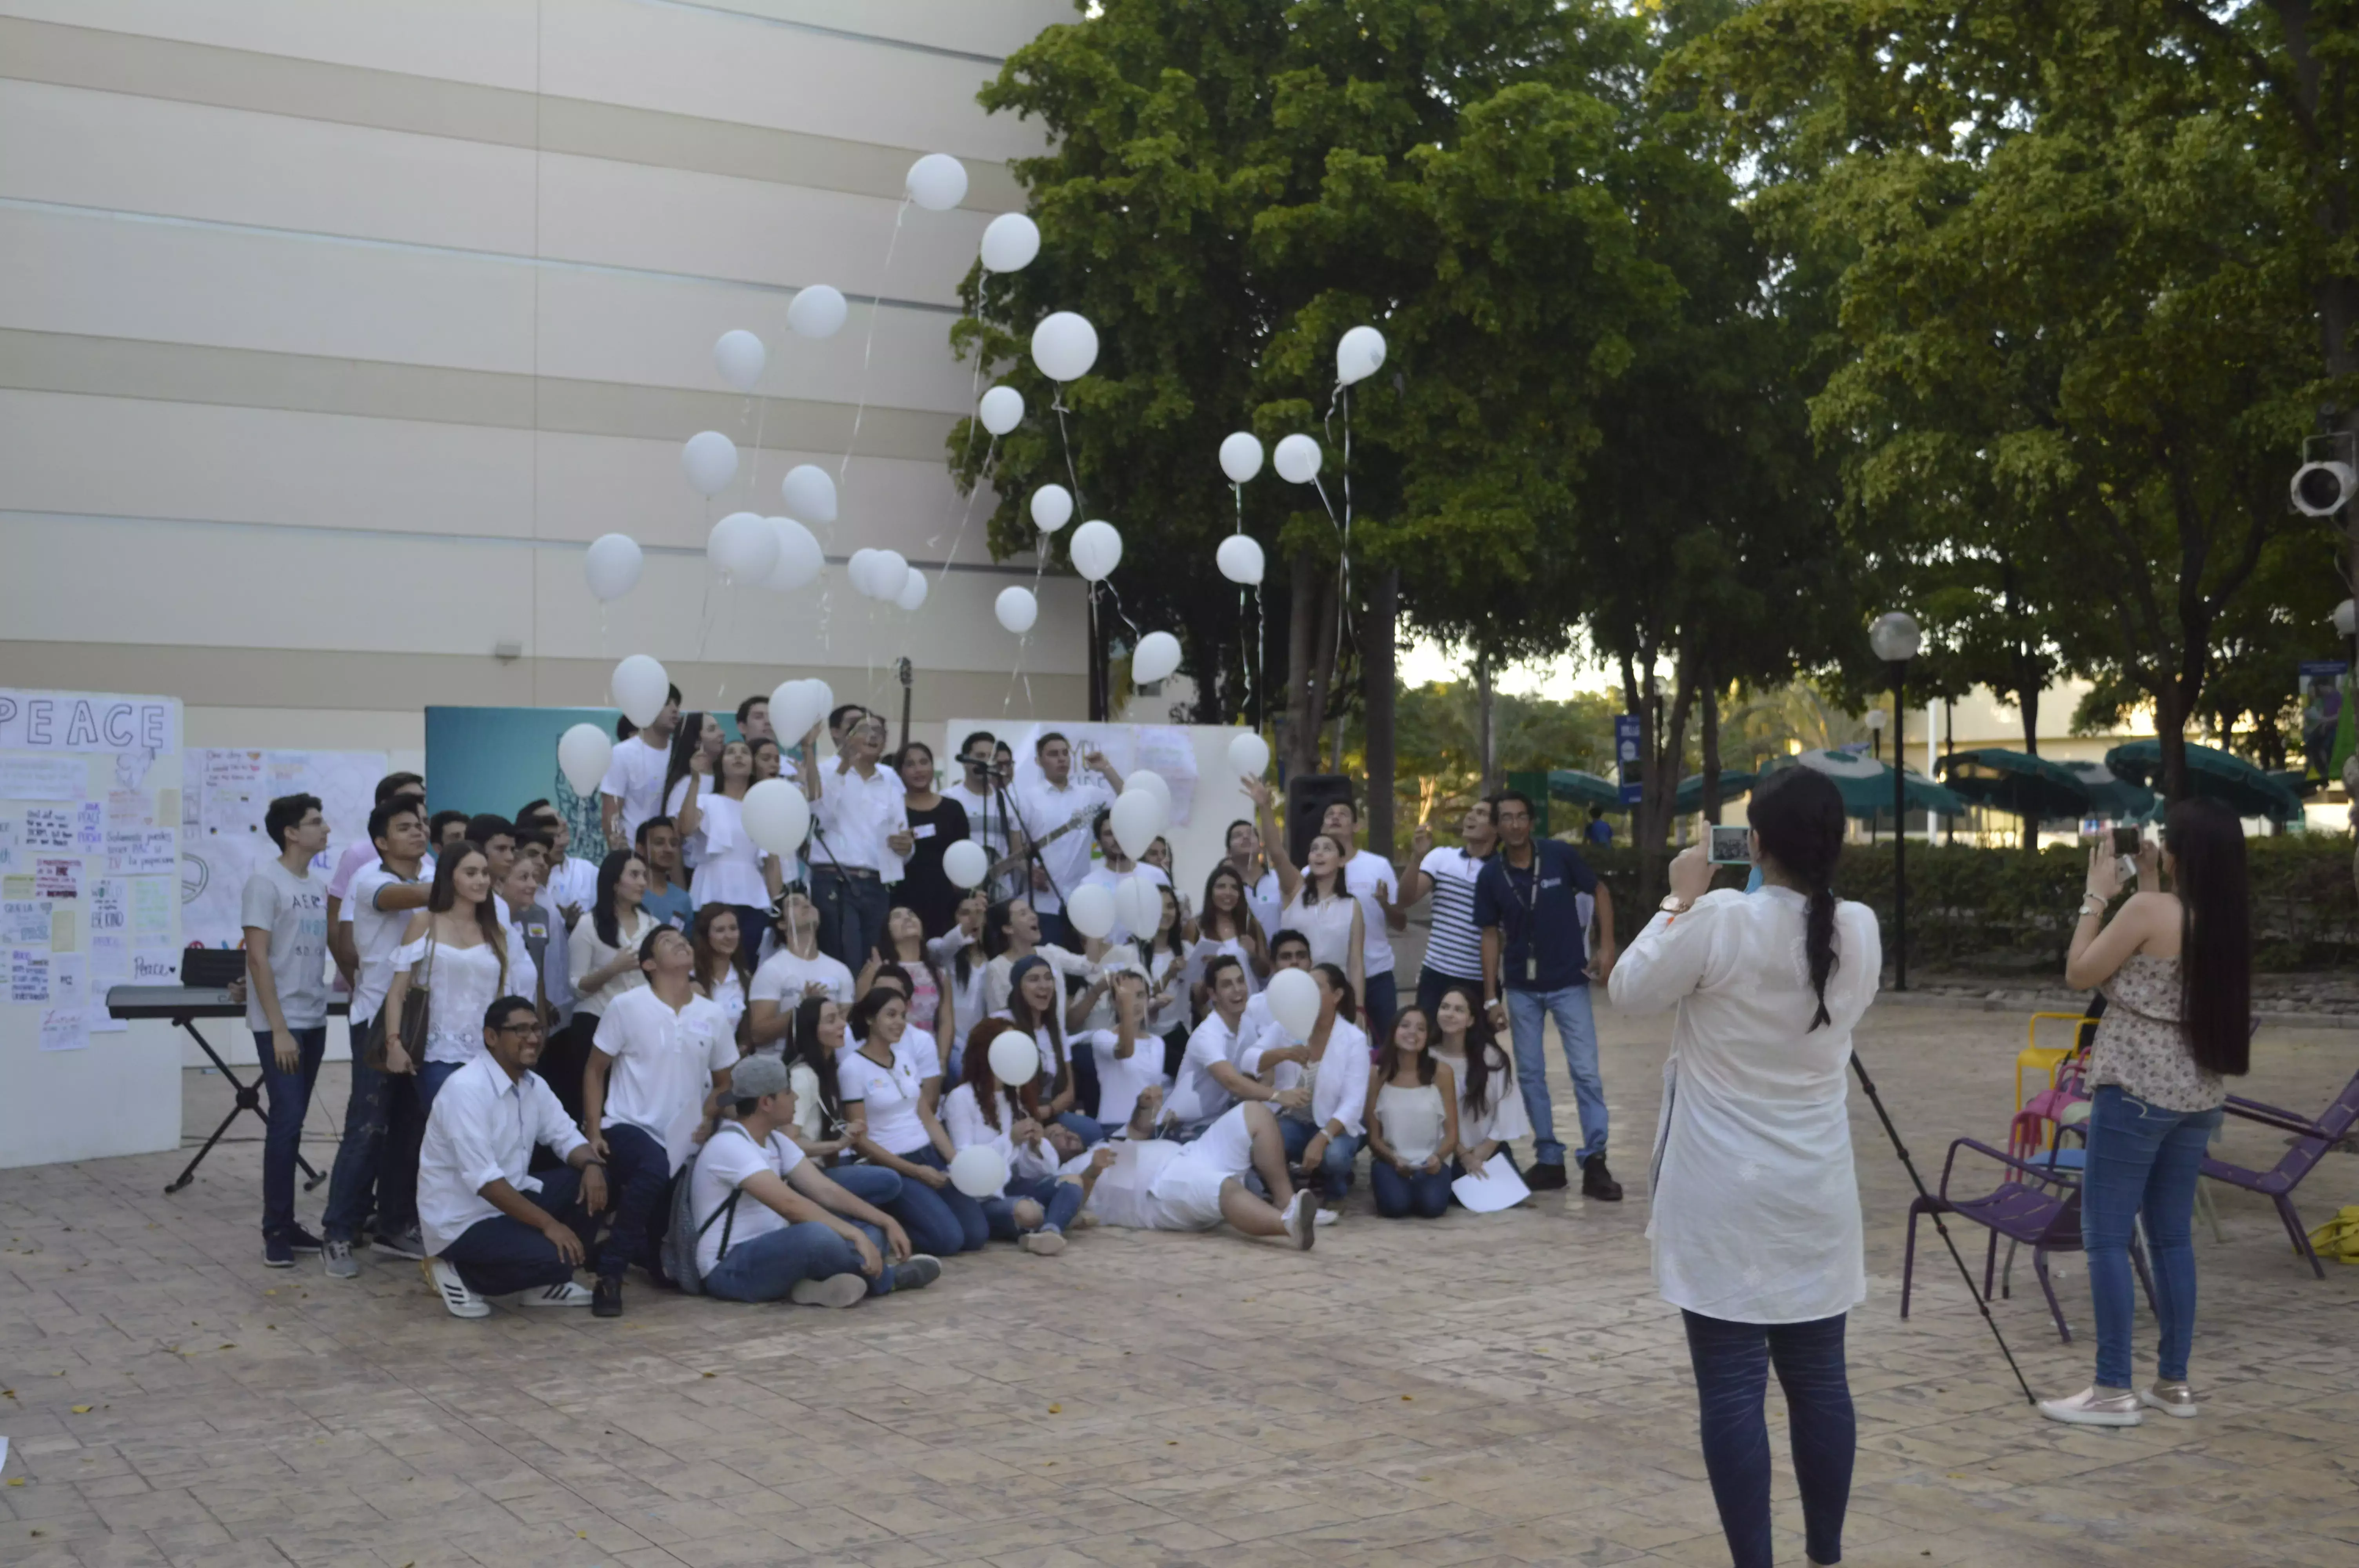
(2002, 910)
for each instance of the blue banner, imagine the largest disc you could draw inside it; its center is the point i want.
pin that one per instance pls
(1627, 768)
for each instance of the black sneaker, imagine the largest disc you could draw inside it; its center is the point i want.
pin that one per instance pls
(277, 1253)
(606, 1298)
(301, 1240)
(1597, 1182)
(916, 1274)
(1546, 1176)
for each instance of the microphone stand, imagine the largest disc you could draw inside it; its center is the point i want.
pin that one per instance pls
(1032, 852)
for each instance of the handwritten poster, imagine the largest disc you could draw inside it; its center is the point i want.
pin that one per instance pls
(57, 879)
(66, 989)
(145, 851)
(24, 923)
(48, 827)
(42, 778)
(29, 975)
(64, 1029)
(151, 910)
(89, 825)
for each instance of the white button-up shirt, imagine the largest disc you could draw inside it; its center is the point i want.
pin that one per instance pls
(1042, 809)
(1339, 1088)
(662, 1065)
(856, 815)
(636, 778)
(483, 1131)
(1198, 1095)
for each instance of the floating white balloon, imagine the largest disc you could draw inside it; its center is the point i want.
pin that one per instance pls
(1136, 819)
(613, 567)
(1241, 455)
(912, 596)
(1089, 909)
(741, 547)
(890, 574)
(1297, 460)
(1001, 410)
(808, 493)
(582, 755)
(966, 863)
(739, 357)
(1249, 754)
(800, 559)
(979, 1170)
(1053, 507)
(1016, 610)
(1358, 354)
(817, 310)
(710, 462)
(776, 816)
(1157, 655)
(1149, 779)
(796, 706)
(1096, 549)
(1015, 1059)
(936, 182)
(1064, 346)
(1010, 242)
(1138, 904)
(1294, 1001)
(1240, 560)
(640, 688)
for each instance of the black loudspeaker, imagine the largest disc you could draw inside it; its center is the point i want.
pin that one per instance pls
(1308, 796)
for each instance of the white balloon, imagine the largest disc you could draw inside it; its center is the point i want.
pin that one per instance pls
(1001, 410)
(936, 182)
(1016, 610)
(1136, 819)
(1149, 779)
(1240, 456)
(1010, 242)
(710, 460)
(741, 547)
(1298, 459)
(739, 357)
(1157, 655)
(1097, 550)
(1248, 754)
(776, 816)
(582, 755)
(817, 310)
(1053, 507)
(1240, 559)
(1089, 909)
(800, 559)
(808, 493)
(640, 688)
(1294, 1001)
(1064, 346)
(888, 573)
(1358, 354)
(612, 566)
(1138, 903)
(912, 596)
(979, 1170)
(791, 710)
(966, 863)
(856, 569)
(1015, 1059)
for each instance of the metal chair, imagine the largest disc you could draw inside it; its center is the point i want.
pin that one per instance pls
(2312, 1139)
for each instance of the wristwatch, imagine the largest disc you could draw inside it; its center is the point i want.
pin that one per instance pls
(1674, 905)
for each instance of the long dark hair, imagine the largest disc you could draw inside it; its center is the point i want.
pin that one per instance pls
(685, 741)
(975, 1071)
(444, 898)
(1389, 1060)
(963, 961)
(602, 910)
(711, 967)
(1800, 815)
(808, 1048)
(1167, 938)
(1485, 1055)
(1053, 1022)
(2215, 946)
(995, 923)
(1239, 924)
(1338, 888)
(1347, 1003)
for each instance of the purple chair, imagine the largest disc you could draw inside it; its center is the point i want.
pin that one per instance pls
(2311, 1140)
(2036, 1205)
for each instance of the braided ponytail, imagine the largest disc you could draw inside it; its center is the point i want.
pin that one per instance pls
(1798, 814)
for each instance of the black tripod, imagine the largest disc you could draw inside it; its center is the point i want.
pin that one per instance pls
(1974, 1292)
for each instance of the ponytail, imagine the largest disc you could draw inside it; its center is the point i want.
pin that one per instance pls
(1818, 942)
(1798, 814)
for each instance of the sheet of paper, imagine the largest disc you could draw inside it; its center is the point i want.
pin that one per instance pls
(48, 827)
(66, 988)
(1496, 1188)
(16, 885)
(90, 824)
(131, 768)
(151, 909)
(29, 975)
(110, 961)
(143, 852)
(43, 778)
(65, 927)
(129, 809)
(57, 878)
(64, 1029)
(154, 967)
(12, 839)
(24, 923)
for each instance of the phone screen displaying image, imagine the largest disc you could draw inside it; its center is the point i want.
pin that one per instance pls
(1732, 846)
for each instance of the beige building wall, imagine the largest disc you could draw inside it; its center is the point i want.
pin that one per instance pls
(330, 333)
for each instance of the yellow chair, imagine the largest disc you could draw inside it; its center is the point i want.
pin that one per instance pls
(2041, 1059)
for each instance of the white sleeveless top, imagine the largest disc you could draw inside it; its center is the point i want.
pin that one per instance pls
(1327, 925)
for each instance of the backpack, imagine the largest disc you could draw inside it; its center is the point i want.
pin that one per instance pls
(2338, 1239)
(681, 1240)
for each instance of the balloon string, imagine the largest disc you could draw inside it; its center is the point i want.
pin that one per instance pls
(876, 309)
(1343, 393)
(1107, 583)
(753, 469)
(1239, 491)
(959, 537)
(1057, 402)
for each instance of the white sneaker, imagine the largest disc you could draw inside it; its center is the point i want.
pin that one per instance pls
(2092, 1408)
(1327, 1217)
(568, 1294)
(1301, 1220)
(835, 1291)
(455, 1291)
(1042, 1243)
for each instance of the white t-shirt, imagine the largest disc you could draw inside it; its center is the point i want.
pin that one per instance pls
(573, 880)
(1455, 948)
(663, 1064)
(636, 778)
(730, 1157)
(1198, 1095)
(1121, 1081)
(729, 996)
(376, 935)
(1267, 899)
(1041, 809)
(987, 822)
(962, 1119)
(292, 908)
(584, 952)
(1364, 874)
(782, 977)
(892, 1095)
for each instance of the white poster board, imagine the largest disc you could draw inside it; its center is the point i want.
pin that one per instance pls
(89, 898)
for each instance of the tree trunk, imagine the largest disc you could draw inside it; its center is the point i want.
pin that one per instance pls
(1302, 708)
(1376, 662)
(1661, 743)
(2027, 701)
(1486, 735)
(1710, 750)
(1322, 673)
(2171, 730)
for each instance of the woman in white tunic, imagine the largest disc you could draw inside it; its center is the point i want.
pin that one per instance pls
(457, 950)
(1755, 1215)
(1318, 903)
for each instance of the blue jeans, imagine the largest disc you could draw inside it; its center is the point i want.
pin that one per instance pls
(381, 1119)
(431, 1077)
(766, 1268)
(2142, 1162)
(639, 1176)
(851, 911)
(1058, 1199)
(1335, 1169)
(1432, 983)
(1576, 1027)
(498, 1255)
(1056, 931)
(1377, 1006)
(942, 1221)
(1732, 1371)
(1425, 1195)
(288, 1096)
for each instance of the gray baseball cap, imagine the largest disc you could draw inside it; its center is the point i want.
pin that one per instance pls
(755, 1076)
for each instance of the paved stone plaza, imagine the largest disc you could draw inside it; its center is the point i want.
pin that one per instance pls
(1495, 1390)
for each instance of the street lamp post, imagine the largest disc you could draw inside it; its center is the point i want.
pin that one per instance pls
(1876, 720)
(1895, 638)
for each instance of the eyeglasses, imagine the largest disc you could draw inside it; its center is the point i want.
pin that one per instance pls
(526, 1029)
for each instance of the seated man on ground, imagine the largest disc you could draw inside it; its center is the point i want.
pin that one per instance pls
(812, 1239)
(1149, 1183)
(483, 1236)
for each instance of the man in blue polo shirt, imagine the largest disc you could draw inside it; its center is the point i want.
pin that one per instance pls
(1535, 965)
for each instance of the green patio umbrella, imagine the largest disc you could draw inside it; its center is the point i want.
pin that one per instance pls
(2015, 783)
(1866, 784)
(2112, 796)
(1734, 782)
(2212, 774)
(1584, 789)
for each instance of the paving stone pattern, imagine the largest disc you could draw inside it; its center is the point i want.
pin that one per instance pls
(1500, 1390)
